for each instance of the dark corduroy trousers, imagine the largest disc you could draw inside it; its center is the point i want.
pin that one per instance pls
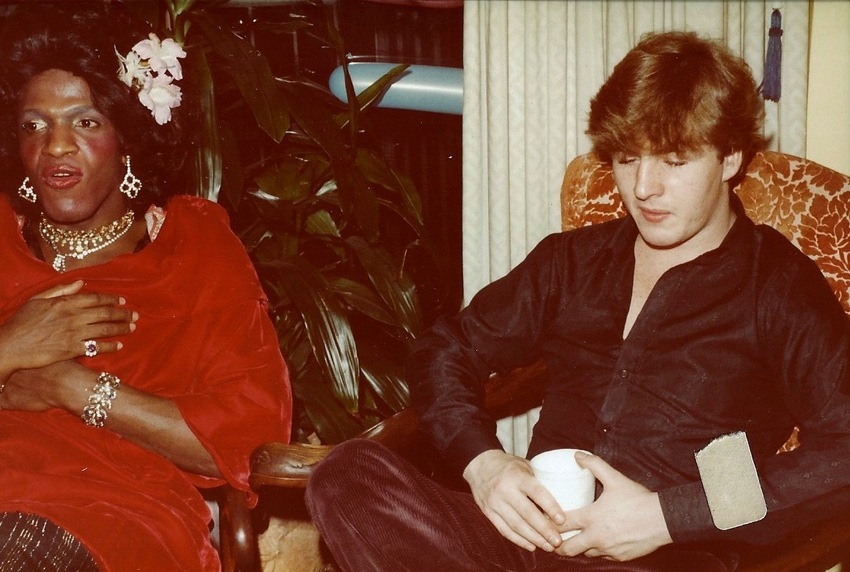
(378, 513)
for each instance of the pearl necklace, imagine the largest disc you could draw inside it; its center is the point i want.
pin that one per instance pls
(80, 243)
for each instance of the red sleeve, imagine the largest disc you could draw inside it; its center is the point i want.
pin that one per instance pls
(241, 396)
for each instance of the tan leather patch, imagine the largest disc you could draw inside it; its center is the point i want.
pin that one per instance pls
(731, 483)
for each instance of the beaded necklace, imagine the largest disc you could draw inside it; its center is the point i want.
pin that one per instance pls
(80, 243)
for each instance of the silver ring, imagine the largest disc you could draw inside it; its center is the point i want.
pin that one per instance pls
(90, 347)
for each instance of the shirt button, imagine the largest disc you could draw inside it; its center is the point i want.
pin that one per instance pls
(606, 428)
(624, 373)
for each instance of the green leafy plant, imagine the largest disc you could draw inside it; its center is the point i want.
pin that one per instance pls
(335, 233)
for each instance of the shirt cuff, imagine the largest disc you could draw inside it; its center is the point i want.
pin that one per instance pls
(468, 444)
(686, 512)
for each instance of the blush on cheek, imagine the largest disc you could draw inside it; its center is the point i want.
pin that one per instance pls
(106, 151)
(103, 146)
(28, 153)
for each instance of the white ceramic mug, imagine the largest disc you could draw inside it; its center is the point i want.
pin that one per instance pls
(571, 485)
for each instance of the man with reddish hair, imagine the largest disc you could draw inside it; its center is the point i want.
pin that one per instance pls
(664, 333)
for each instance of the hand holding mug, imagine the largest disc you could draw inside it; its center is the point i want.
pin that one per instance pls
(572, 486)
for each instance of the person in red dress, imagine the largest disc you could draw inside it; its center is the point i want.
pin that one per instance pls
(138, 362)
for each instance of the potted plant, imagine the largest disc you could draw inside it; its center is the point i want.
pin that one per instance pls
(336, 234)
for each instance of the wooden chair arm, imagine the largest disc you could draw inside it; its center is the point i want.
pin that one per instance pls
(516, 391)
(238, 545)
(290, 465)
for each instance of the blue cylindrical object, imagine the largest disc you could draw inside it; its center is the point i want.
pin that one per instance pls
(421, 88)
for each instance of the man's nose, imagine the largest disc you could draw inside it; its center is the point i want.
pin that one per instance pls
(648, 179)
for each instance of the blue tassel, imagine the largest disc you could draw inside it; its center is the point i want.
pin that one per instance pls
(771, 87)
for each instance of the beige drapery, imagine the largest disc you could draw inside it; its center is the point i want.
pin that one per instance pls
(530, 69)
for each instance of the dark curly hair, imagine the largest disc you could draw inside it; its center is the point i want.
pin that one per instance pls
(82, 38)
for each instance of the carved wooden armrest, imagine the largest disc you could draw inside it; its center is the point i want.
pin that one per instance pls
(290, 465)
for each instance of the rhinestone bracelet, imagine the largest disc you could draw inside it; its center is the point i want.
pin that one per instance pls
(100, 401)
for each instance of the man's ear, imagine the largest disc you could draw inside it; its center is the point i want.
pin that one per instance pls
(732, 164)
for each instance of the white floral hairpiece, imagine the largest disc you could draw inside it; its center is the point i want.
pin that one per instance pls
(151, 67)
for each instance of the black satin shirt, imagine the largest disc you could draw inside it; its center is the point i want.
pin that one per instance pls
(748, 337)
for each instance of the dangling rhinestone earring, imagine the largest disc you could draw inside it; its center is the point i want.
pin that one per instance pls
(131, 185)
(26, 192)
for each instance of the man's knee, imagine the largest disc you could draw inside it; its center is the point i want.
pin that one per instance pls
(350, 468)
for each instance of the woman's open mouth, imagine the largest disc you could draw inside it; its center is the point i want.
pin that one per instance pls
(61, 177)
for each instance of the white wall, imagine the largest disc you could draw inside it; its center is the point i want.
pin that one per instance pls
(828, 128)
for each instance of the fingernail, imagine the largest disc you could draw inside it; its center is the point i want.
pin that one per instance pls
(120, 345)
(135, 316)
(581, 455)
(132, 327)
(122, 300)
(548, 547)
(560, 518)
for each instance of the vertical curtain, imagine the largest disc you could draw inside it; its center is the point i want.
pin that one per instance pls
(530, 69)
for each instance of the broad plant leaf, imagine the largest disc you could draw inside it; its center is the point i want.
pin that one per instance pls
(394, 286)
(322, 223)
(362, 299)
(295, 345)
(233, 177)
(293, 341)
(358, 197)
(372, 93)
(330, 420)
(392, 389)
(208, 159)
(313, 119)
(376, 171)
(339, 46)
(273, 248)
(327, 327)
(252, 75)
(382, 360)
(412, 201)
(292, 179)
(178, 7)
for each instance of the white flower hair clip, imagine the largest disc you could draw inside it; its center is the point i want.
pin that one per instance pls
(152, 67)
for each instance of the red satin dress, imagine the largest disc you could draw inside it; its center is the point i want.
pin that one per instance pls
(204, 340)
